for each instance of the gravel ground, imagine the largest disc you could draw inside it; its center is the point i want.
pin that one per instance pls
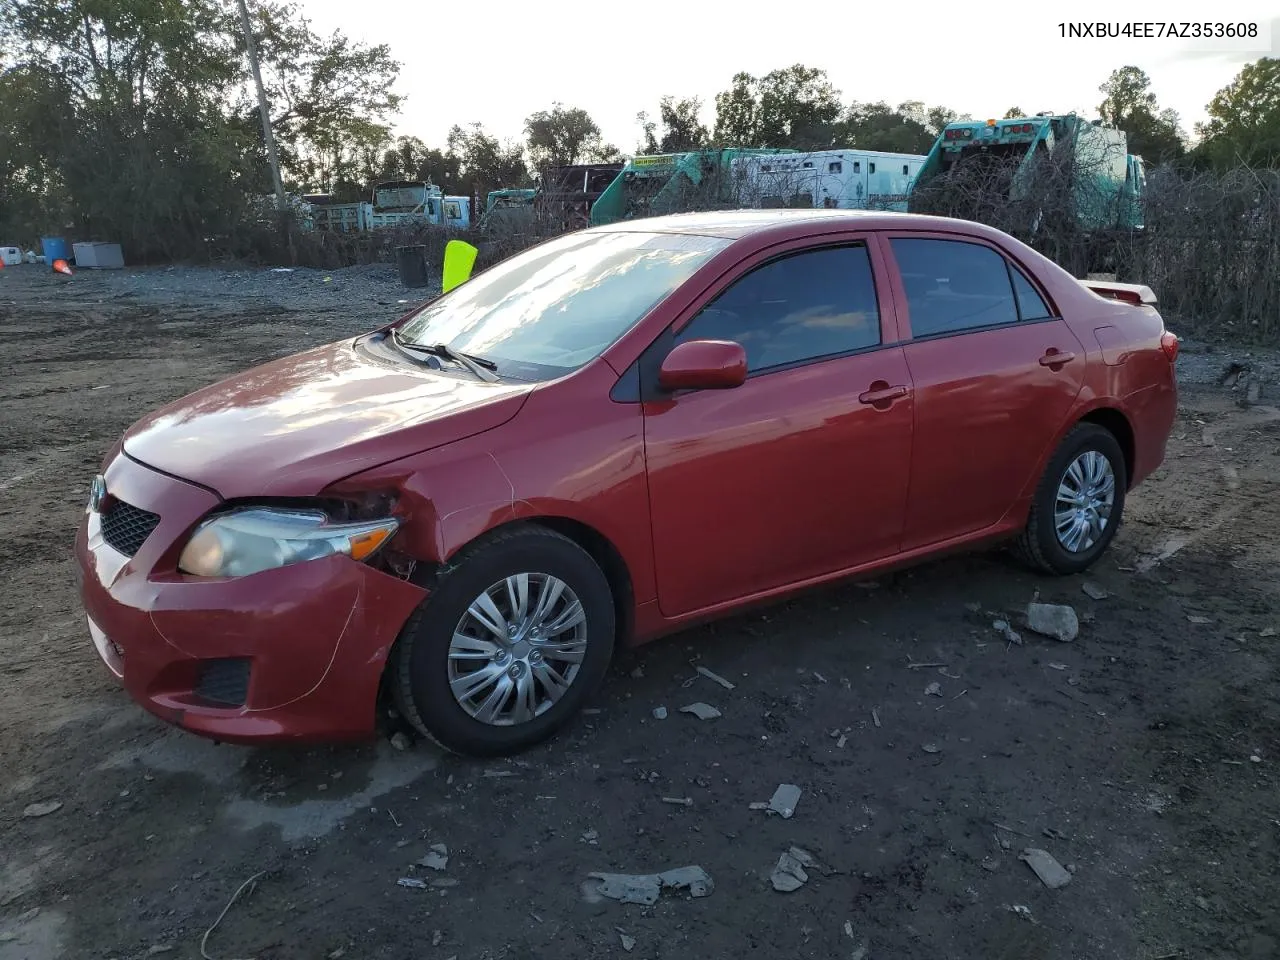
(929, 752)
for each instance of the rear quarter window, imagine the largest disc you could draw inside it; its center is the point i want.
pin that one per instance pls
(1031, 305)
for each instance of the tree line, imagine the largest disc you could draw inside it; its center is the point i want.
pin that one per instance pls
(136, 121)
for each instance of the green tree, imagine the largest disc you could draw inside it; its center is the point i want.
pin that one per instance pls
(795, 106)
(1013, 113)
(331, 98)
(682, 129)
(132, 133)
(938, 118)
(565, 135)
(484, 163)
(1244, 119)
(737, 121)
(907, 128)
(1129, 103)
(411, 159)
(32, 194)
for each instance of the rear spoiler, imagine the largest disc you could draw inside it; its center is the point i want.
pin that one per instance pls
(1138, 294)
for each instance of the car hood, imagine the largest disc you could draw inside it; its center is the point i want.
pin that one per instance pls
(293, 426)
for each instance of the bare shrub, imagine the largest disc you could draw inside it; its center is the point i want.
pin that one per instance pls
(1062, 203)
(1209, 244)
(1211, 251)
(286, 242)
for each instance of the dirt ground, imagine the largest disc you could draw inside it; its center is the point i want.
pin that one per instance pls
(1143, 755)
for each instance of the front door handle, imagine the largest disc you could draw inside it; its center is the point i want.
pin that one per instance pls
(1056, 358)
(881, 393)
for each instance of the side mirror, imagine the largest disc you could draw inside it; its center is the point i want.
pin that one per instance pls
(704, 365)
(459, 258)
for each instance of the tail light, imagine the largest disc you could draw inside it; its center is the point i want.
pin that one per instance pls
(1169, 344)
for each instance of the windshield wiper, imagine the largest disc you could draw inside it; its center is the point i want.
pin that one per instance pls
(480, 366)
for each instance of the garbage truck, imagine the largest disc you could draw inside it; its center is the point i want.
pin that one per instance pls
(1065, 184)
(563, 198)
(1084, 164)
(654, 184)
(844, 177)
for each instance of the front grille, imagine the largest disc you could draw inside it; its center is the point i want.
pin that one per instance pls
(224, 682)
(126, 527)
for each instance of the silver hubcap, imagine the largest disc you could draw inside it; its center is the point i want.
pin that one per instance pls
(1086, 494)
(517, 649)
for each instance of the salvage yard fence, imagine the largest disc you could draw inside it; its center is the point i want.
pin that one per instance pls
(1208, 243)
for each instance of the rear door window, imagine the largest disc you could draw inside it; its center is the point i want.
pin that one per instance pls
(953, 286)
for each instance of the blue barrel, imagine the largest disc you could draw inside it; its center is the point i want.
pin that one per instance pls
(54, 248)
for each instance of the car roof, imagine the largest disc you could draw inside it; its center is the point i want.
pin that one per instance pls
(737, 224)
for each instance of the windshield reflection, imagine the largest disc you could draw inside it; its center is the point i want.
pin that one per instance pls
(549, 310)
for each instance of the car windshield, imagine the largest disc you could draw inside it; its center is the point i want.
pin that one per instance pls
(546, 312)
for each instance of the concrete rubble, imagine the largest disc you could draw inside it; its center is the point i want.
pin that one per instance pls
(1002, 627)
(645, 888)
(1053, 620)
(714, 677)
(1051, 873)
(784, 800)
(42, 809)
(789, 874)
(437, 857)
(703, 711)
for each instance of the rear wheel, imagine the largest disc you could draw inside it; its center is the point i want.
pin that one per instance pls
(1078, 504)
(508, 646)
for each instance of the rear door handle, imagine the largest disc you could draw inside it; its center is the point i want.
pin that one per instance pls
(1056, 358)
(878, 394)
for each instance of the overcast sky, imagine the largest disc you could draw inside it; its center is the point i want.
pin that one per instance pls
(615, 59)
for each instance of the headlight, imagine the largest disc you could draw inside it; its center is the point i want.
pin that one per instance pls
(262, 538)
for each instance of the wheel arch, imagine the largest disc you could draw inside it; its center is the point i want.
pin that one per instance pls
(598, 546)
(1113, 420)
(609, 558)
(1030, 542)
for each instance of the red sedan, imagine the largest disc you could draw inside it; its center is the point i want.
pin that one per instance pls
(606, 438)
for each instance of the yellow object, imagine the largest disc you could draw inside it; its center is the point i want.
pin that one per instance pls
(459, 258)
(363, 544)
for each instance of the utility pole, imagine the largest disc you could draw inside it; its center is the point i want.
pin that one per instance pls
(272, 157)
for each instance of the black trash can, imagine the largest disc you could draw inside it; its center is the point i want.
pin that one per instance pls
(412, 263)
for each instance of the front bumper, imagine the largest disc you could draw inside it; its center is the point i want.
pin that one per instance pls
(295, 653)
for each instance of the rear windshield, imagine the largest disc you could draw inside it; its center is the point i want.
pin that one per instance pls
(549, 310)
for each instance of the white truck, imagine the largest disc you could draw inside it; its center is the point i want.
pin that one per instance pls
(394, 203)
(842, 178)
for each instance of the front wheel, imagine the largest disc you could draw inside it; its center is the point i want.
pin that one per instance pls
(1078, 504)
(508, 646)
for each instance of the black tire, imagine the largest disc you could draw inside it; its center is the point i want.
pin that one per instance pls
(1038, 545)
(420, 682)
